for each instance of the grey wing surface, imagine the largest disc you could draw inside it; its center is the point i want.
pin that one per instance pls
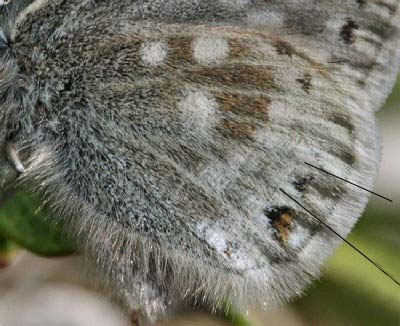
(164, 131)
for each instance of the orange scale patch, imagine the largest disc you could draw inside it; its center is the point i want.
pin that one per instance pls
(245, 105)
(283, 226)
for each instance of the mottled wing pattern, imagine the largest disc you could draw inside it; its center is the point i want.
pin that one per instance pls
(164, 131)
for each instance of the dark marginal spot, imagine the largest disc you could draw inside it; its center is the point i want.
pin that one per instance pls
(281, 219)
(362, 64)
(361, 82)
(284, 48)
(302, 183)
(347, 32)
(327, 188)
(344, 153)
(305, 82)
(343, 121)
(361, 3)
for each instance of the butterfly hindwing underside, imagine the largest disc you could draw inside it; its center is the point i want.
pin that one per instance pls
(163, 133)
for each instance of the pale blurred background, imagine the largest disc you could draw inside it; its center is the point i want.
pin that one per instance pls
(53, 291)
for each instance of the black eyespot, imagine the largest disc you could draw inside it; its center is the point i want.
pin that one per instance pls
(347, 32)
(281, 219)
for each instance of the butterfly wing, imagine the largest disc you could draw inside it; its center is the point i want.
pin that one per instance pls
(165, 132)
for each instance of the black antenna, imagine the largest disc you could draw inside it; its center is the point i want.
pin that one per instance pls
(346, 241)
(374, 193)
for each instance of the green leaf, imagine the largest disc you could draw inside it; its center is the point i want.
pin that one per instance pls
(32, 230)
(234, 317)
(8, 251)
(394, 97)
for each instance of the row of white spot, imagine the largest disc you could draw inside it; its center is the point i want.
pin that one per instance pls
(198, 107)
(205, 50)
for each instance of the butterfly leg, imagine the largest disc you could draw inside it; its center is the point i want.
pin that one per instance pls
(14, 159)
(135, 318)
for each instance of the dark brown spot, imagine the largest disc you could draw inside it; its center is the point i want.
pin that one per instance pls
(284, 48)
(305, 82)
(239, 48)
(242, 113)
(259, 77)
(180, 52)
(347, 32)
(236, 128)
(250, 106)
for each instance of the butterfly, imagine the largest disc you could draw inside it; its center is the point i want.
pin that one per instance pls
(176, 138)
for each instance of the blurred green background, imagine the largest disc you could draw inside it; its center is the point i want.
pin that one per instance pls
(351, 292)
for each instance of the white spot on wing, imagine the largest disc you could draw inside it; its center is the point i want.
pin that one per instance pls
(298, 236)
(153, 53)
(198, 109)
(210, 49)
(219, 240)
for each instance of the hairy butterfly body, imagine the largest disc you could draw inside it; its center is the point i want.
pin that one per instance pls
(162, 133)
